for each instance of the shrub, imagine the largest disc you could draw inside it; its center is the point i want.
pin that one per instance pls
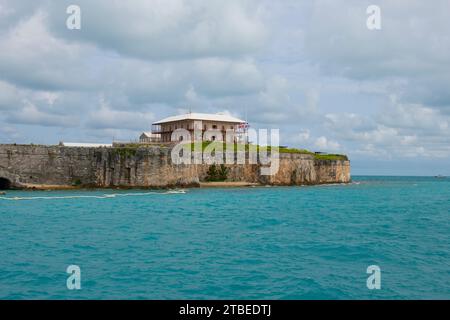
(76, 183)
(217, 174)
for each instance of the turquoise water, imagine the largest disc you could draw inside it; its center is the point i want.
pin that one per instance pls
(252, 243)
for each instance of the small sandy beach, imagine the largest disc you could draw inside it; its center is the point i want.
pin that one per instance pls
(227, 184)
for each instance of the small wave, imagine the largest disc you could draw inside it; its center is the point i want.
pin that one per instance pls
(339, 184)
(104, 196)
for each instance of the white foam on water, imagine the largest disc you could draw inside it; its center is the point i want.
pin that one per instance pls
(104, 196)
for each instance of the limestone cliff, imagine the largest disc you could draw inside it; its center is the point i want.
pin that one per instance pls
(149, 167)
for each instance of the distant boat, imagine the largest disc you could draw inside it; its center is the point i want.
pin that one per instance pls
(440, 177)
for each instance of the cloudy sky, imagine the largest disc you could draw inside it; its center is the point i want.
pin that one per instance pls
(311, 68)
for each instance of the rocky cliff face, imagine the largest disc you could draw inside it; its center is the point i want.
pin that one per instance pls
(28, 166)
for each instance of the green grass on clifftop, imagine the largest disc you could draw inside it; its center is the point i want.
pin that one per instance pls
(228, 146)
(130, 149)
(342, 157)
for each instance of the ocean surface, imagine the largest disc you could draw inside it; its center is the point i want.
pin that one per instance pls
(242, 243)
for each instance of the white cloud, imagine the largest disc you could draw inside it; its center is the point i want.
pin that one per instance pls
(30, 114)
(31, 57)
(397, 130)
(327, 145)
(303, 137)
(107, 118)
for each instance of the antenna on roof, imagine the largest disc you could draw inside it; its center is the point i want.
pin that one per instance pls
(246, 127)
(246, 120)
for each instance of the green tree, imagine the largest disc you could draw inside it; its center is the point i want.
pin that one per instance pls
(217, 174)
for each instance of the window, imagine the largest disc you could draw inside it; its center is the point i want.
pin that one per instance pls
(214, 126)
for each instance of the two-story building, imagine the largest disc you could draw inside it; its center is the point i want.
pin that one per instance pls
(217, 127)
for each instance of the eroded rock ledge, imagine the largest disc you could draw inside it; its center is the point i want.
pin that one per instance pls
(28, 166)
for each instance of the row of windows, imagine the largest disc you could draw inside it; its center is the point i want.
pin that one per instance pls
(190, 127)
(181, 138)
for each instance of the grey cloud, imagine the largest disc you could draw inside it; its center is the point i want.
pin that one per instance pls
(31, 115)
(106, 118)
(142, 83)
(9, 96)
(173, 29)
(413, 45)
(396, 131)
(11, 12)
(31, 57)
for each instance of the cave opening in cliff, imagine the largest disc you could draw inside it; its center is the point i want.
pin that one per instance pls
(5, 184)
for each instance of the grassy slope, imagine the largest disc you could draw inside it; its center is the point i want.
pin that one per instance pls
(219, 146)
